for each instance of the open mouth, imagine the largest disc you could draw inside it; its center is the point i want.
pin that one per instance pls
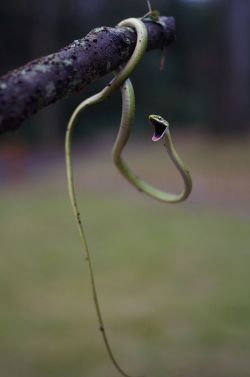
(160, 129)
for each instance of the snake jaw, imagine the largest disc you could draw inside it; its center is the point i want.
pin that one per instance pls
(160, 125)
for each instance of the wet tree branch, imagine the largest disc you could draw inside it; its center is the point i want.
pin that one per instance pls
(26, 90)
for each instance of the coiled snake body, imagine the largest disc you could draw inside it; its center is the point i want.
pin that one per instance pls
(161, 126)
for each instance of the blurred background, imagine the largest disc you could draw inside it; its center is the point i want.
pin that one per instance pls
(173, 281)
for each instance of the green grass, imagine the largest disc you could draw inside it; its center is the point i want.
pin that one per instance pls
(173, 282)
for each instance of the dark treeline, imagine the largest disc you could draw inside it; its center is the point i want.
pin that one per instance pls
(206, 80)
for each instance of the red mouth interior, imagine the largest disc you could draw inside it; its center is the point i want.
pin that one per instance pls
(160, 130)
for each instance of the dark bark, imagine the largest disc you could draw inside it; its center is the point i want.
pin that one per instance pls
(44, 81)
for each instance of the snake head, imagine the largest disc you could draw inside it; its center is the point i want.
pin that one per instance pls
(160, 125)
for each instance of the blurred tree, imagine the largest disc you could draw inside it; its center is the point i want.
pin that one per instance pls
(232, 111)
(206, 79)
(239, 65)
(44, 40)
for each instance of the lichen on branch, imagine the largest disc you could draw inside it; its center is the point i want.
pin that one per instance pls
(26, 90)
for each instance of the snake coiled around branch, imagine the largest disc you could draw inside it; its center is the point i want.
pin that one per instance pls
(121, 80)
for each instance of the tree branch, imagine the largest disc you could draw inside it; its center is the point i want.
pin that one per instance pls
(39, 83)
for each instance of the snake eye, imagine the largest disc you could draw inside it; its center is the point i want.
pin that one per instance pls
(159, 126)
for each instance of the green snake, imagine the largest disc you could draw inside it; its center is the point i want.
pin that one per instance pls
(161, 126)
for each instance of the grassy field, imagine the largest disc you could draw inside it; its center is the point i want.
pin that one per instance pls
(173, 281)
